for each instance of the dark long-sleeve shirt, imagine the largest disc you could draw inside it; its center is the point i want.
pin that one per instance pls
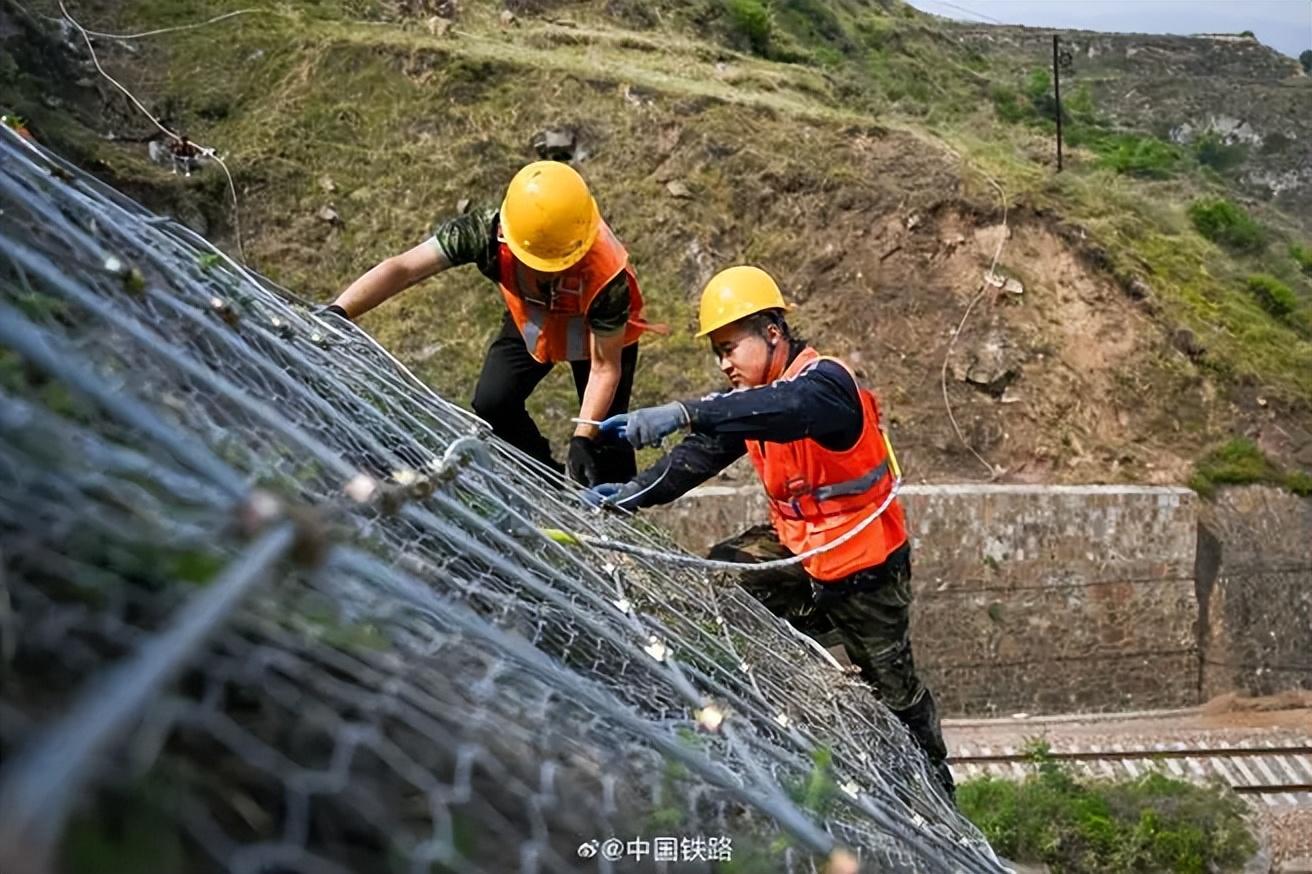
(822, 403)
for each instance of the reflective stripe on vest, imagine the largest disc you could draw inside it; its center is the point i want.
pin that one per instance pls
(817, 496)
(531, 328)
(847, 488)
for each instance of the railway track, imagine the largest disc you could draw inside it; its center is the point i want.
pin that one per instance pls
(1277, 774)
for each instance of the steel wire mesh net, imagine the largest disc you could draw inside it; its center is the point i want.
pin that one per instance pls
(268, 604)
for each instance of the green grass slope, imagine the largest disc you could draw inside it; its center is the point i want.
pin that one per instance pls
(851, 147)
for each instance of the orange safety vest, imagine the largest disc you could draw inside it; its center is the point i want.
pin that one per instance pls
(817, 495)
(557, 329)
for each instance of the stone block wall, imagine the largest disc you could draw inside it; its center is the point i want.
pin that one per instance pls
(1255, 592)
(1054, 599)
(1031, 598)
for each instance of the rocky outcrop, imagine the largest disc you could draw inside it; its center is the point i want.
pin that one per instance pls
(1182, 87)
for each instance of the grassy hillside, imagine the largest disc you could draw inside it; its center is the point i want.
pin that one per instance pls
(855, 149)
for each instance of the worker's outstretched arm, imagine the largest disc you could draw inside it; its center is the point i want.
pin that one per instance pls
(822, 403)
(688, 465)
(391, 277)
(603, 380)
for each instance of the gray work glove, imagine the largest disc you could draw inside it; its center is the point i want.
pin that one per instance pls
(648, 426)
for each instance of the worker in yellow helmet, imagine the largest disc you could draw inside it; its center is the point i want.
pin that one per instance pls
(570, 294)
(813, 433)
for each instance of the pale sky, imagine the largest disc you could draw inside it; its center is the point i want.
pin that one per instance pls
(1285, 25)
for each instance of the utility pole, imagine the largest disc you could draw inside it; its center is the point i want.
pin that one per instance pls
(1056, 92)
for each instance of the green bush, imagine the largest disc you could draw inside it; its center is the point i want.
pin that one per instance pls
(1128, 153)
(1235, 462)
(1227, 225)
(1147, 157)
(1007, 103)
(1272, 295)
(755, 22)
(1034, 103)
(815, 22)
(1080, 103)
(1213, 152)
(1240, 462)
(1038, 88)
(1302, 255)
(1152, 823)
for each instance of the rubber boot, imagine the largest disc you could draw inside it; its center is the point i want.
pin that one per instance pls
(921, 719)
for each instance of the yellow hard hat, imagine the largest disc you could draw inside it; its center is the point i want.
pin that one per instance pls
(548, 219)
(736, 293)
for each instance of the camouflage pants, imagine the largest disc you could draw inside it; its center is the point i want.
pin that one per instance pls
(868, 612)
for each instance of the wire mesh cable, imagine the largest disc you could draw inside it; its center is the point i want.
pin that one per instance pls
(269, 600)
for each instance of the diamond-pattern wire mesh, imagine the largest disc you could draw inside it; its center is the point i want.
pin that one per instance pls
(267, 603)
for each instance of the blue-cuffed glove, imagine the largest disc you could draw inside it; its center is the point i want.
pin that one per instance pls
(610, 496)
(648, 426)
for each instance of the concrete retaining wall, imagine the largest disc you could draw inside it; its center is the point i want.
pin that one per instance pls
(1255, 592)
(1086, 598)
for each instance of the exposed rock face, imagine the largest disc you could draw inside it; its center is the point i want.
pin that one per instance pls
(1180, 88)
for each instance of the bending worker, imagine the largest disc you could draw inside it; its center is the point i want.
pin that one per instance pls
(570, 295)
(813, 435)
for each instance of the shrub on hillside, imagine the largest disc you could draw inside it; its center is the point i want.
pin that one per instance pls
(1227, 225)
(1147, 157)
(1239, 462)
(1034, 103)
(1152, 823)
(1302, 255)
(1272, 295)
(1038, 88)
(1214, 152)
(815, 21)
(1079, 103)
(1129, 153)
(1007, 104)
(752, 19)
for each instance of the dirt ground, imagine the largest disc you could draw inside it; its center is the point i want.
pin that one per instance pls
(1048, 376)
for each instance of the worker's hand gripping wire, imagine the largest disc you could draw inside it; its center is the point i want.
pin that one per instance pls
(648, 426)
(622, 497)
(608, 496)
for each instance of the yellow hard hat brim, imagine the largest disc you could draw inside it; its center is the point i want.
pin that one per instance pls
(734, 294)
(730, 318)
(551, 265)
